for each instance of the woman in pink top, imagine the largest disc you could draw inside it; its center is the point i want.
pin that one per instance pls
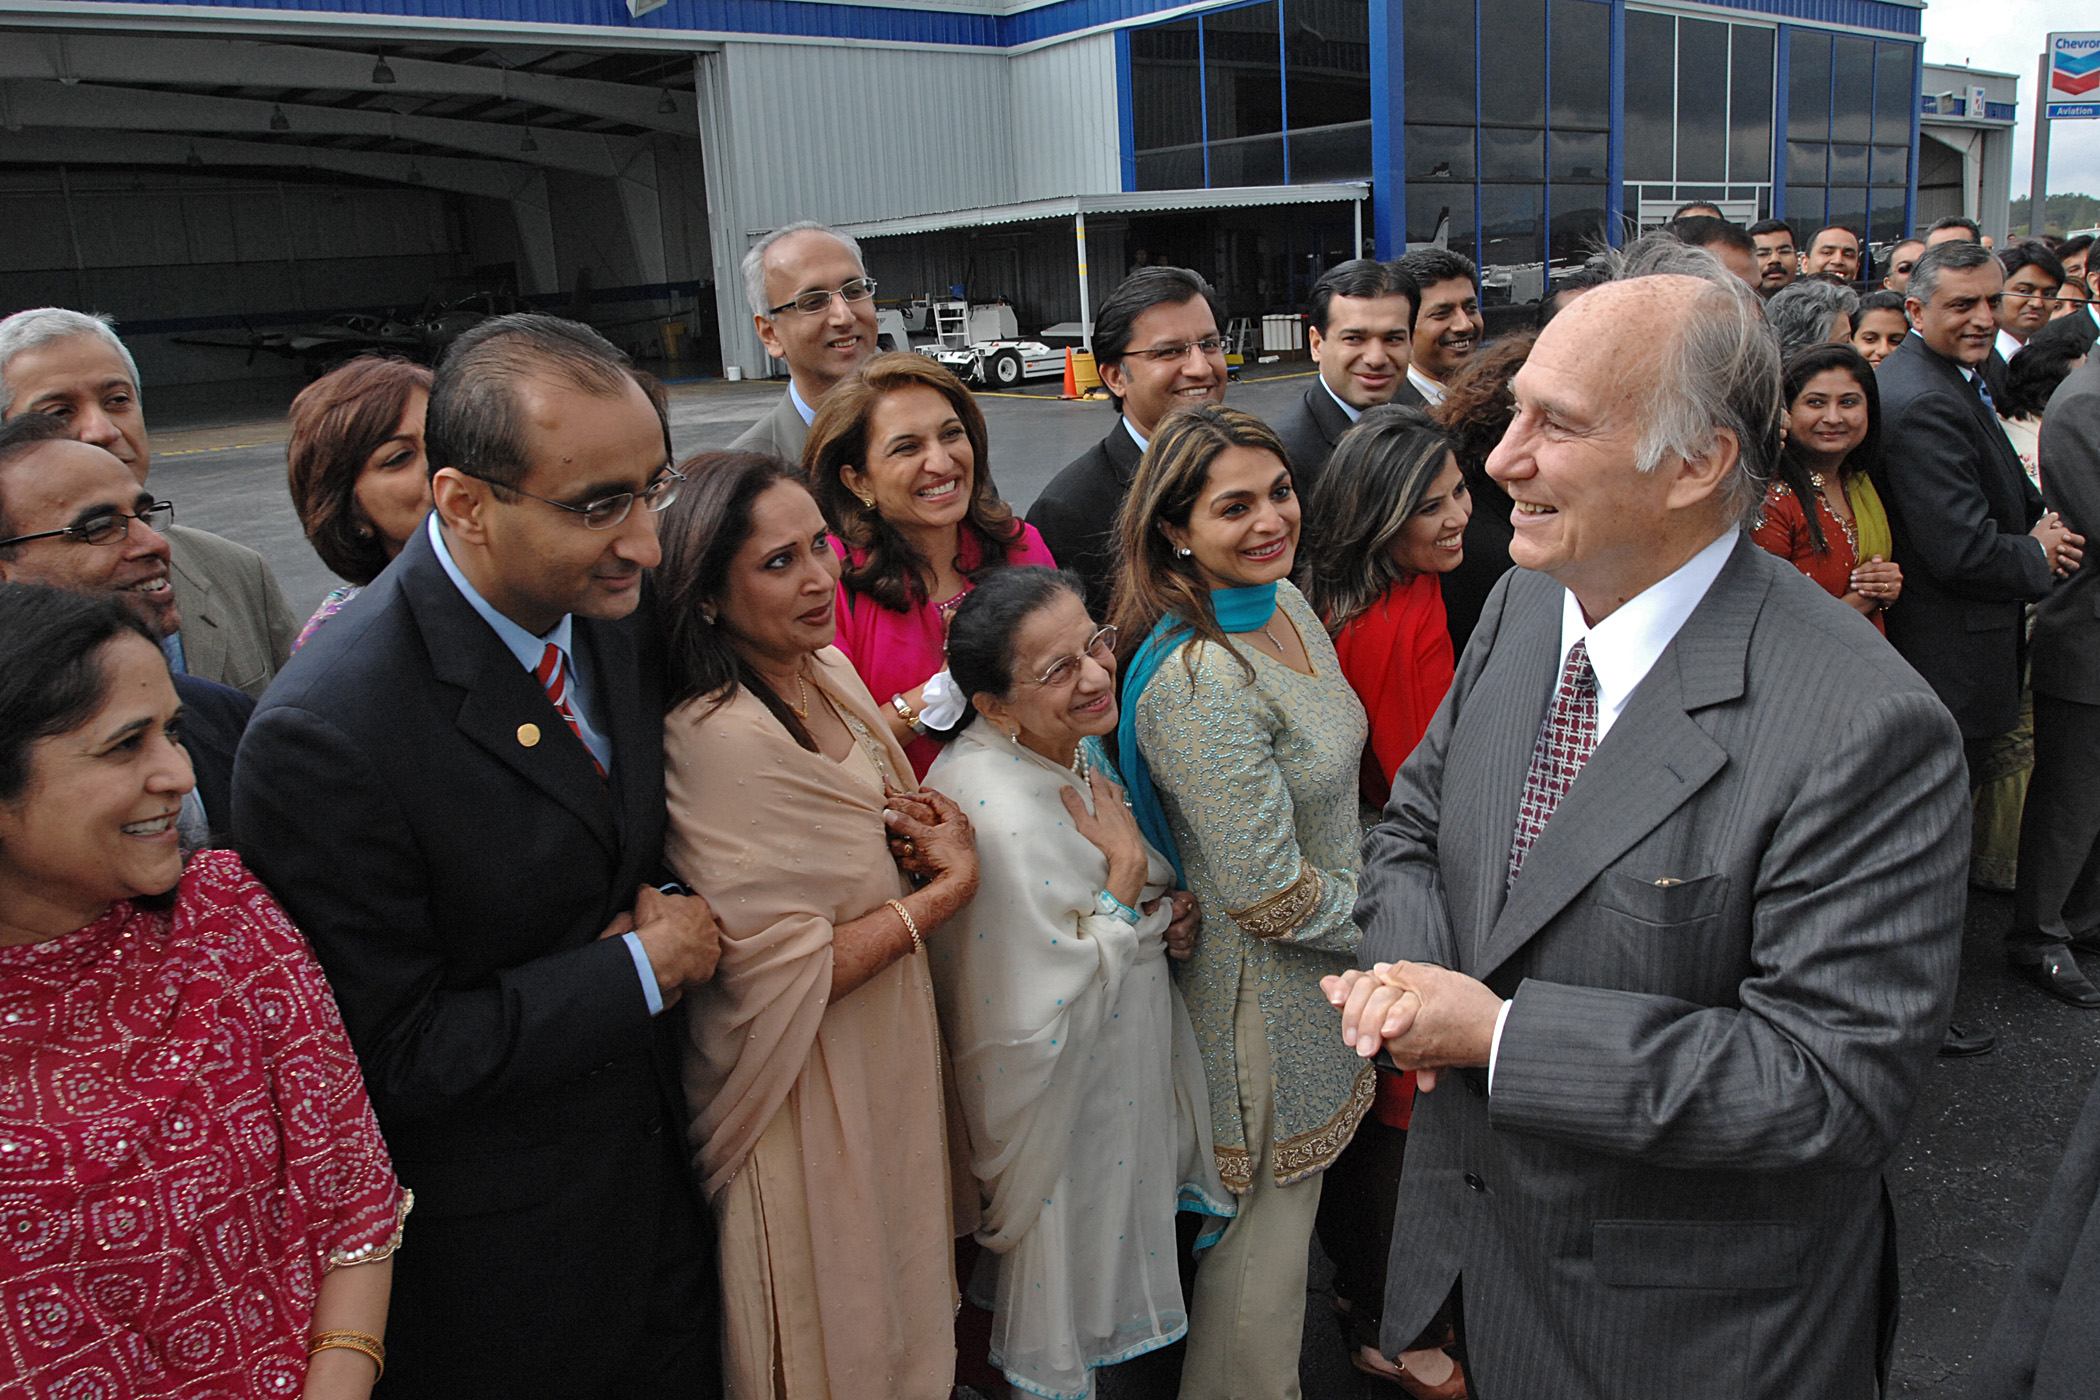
(897, 458)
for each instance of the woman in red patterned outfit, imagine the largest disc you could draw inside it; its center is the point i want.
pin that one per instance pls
(1822, 513)
(194, 1197)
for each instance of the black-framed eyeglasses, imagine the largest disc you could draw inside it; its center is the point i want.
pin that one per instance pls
(104, 529)
(606, 511)
(812, 302)
(1168, 354)
(1101, 646)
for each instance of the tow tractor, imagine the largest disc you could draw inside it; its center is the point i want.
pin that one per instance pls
(980, 342)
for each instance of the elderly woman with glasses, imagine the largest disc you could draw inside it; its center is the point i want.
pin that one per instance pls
(899, 461)
(194, 1196)
(1081, 1083)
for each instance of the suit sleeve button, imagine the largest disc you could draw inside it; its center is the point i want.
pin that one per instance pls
(1473, 1180)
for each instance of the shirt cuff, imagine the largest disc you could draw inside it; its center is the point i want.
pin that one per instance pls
(1494, 1046)
(655, 997)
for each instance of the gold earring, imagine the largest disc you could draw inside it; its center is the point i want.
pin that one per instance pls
(868, 501)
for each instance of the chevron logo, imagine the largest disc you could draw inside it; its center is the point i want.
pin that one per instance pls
(2074, 84)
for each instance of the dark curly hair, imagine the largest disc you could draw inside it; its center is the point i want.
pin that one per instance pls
(1477, 410)
(892, 571)
(338, 422)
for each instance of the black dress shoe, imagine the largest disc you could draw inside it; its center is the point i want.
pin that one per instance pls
(1961, 1042)
(2056, 972)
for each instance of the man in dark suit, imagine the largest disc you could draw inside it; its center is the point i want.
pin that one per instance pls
(456, 789)
(58, 498)
(814, 307)
(1975, 544)
(2057, 903)
(1157, 345)
(1666, 907)
(1357, 328)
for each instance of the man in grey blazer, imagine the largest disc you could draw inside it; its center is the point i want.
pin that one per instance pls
(814, 306)
(1665, 909)
(2056, 906)
(237, 628)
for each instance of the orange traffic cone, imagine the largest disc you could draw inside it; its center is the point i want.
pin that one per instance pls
(1071, 379)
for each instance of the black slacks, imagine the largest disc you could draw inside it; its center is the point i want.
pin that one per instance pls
(2058, 897)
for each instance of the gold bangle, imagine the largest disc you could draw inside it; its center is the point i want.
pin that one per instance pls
(350, 1341)
(904, 710)
(911, 925)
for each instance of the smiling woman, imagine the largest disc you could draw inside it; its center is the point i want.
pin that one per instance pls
(899, 460)
(166, 1025)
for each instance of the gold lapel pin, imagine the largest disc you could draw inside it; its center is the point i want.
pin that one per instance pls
(528, 734)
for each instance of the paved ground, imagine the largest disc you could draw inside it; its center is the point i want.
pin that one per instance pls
(1986, 1140)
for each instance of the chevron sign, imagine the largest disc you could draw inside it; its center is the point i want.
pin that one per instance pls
(2074, 77)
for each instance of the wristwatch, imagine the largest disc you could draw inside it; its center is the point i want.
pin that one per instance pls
(1106, 903)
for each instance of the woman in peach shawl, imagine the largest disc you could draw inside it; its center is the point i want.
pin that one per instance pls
(813, 1066)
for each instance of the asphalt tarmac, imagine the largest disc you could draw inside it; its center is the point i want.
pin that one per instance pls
(1987, 1135)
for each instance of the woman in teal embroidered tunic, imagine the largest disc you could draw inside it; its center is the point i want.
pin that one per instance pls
(1241, 739)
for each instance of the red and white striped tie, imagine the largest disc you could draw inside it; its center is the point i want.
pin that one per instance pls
(553, 676)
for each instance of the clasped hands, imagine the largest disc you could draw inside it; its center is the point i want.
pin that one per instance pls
(680, 935)
(1428, 1018)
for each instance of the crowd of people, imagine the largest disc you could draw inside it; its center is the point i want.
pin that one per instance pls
(777, 922)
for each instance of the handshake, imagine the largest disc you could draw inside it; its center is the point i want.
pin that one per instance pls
(1428, 1018)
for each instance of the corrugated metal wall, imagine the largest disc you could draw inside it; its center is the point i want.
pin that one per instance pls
(1067, 133)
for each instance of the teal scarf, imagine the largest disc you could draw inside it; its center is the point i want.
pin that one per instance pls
(1237, 610)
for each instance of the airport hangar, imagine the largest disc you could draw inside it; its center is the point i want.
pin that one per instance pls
(222, 171)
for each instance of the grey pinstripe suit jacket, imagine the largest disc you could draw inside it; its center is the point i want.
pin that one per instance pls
(1732, 953)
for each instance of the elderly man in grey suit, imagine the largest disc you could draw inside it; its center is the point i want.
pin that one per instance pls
(237, 628)
(814, 306)
(1665, 909)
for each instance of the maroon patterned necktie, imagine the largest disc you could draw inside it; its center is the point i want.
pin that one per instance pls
(1565, 743)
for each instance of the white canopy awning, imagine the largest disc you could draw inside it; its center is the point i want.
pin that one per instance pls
(1130, 202)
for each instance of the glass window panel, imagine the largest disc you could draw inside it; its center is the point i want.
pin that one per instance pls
(1651, 78)
(1331, 153)
(1893, 98)
(1804, 211)
(1685, 194)
(1439, 153)
(1166, 90)
(1702, 100)
(1439, 57)
(1427, 205)
(1177, 168)
(1578, 218)
(1808, 86)
(1578, 155)
(1807, 163)
(1510, 224)
(1243, 75)
(1852, 89)
(1892, 165)
(1848, 207)
(1582, 65)
(1513, 85)
(1327, 51)
(1506, 154)
(1251, 160)
(1848, 165)
(1750, 104)
(1885, 220)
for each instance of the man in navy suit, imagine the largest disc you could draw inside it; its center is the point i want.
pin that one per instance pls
(1975, 543)
(456, 789)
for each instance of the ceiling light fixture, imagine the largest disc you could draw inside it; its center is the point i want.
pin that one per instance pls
(380, 72)
(278, 120)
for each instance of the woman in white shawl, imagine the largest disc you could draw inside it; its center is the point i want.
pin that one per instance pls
(1080, 1081)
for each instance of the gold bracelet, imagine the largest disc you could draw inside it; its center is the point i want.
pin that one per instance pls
(350, 1341)
(904, 710)
(911, 925)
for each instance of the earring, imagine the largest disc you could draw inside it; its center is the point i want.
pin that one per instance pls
(1184, 551)
(1013, 734)
(868, 501)
(707, 616)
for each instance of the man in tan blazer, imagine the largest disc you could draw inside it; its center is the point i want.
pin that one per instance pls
(237, 628)
(814, 306)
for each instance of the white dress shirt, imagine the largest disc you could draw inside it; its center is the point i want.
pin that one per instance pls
(1431, 391)
(1623, 649)
(2009, 344)
(1349, 408)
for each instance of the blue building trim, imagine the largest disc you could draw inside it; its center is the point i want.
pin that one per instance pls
(1782, 100)
(1615, 148)
(821, 19)
(1910, 194)
(1126, 135)
(1388, 129)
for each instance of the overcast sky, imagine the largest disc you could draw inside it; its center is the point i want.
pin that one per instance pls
(2007, 35)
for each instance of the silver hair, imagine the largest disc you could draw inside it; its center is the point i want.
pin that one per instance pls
(1719, 371)
(754, 264)
(26, 330)
(1953, 255)
(1806, 312)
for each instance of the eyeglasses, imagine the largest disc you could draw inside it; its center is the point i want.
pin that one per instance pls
(607, 511)
(104, 529)
(810, 303)
(1168, 354)
(1101, 646)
